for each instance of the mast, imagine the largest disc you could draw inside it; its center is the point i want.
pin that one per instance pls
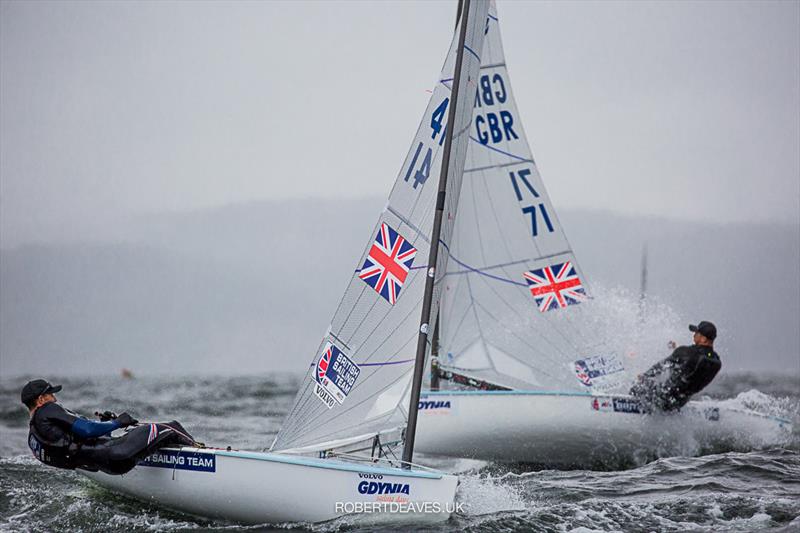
(643, 284)
(435, 355)
(422, 342)
(435, 339)
(459, 10)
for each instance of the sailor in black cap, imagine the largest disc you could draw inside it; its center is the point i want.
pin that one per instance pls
(669, 384)
(61, 438)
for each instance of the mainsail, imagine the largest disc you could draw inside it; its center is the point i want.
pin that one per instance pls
(514, 295)
(362, 371)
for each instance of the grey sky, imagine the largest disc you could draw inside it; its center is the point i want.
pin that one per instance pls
(684, 109)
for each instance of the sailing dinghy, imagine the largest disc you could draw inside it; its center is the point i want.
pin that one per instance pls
(338, 442)
(519, 336)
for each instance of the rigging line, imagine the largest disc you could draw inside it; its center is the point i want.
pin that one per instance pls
(491, 167)
(478, 322)
(461, 132)
(501, 151)
(386, 363)
(461, 323)
(493, 17)
(383, 363)
(420, 234)
(502, 265)
(516, 313)
(526, 363)
(477, 224)
(494, 214)
(356, 271)
(471, 51)
(476, 271)
(461, 352)
(446, 315)
(340, 341)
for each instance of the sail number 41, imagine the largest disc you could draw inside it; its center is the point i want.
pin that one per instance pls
(423, 172)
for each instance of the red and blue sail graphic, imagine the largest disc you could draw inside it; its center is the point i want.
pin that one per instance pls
(335, 375)
(388, 262)
(555, 286)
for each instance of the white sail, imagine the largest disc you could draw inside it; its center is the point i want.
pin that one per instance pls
(507, 245)
(363, 367)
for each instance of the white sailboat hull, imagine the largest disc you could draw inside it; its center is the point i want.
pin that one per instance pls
(256, 488)
(570, 430)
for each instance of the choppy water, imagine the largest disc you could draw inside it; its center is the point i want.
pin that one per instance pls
(755, 490)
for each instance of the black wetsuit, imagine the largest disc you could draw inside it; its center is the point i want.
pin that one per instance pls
(58, 437)
(669, 384)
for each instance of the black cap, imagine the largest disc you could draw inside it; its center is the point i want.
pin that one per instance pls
(706, 329)
(37, 387)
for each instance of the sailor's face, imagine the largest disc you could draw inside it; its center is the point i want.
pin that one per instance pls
(45, 398)
(701, 339)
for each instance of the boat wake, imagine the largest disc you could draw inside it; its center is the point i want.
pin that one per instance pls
(730, 491)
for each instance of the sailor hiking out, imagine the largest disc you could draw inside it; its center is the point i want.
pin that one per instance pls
(669, 384)
(61, 438)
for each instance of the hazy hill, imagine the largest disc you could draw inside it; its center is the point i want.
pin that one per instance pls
(250, 288)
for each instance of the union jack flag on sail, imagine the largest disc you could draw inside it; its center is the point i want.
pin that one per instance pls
(555, 286)
(324, 361)
(388, 263)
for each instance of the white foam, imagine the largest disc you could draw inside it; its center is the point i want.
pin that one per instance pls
(483, 495)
